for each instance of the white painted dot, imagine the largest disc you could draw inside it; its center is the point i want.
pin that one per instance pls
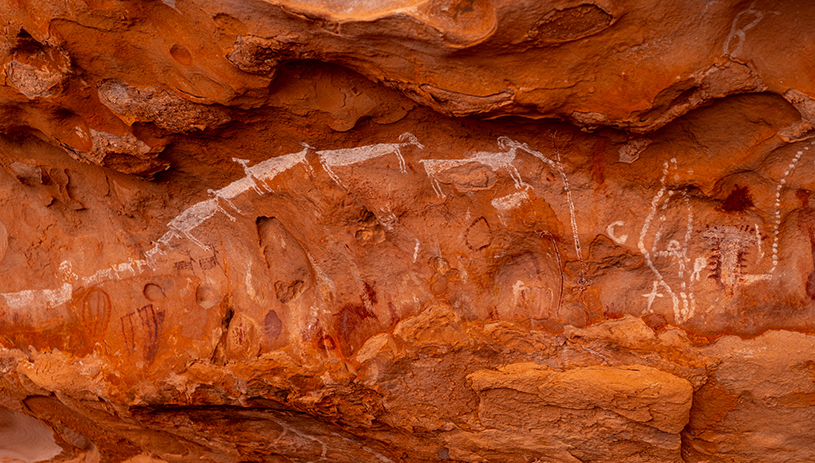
(783, 181)
(800, 153)
(786, 173)
(778, 195)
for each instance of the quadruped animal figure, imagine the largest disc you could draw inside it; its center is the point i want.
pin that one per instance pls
(349, 156)
(265, 171)
(183, 224)
(257, 176)
(493, 160)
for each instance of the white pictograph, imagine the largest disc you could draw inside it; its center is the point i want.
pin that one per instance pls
(674, 278)
(504, 160)
(494, 160)
(613, 235)
(181, 226)
(666, 254)
(572, 215)
(777, 205)
(350, 156)
(510, 201)
(256, 176)
(675, 250)
(734, 42)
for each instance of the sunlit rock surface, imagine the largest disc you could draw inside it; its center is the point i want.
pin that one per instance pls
(407, 231)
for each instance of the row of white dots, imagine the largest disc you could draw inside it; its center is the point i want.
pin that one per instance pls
(781, 183)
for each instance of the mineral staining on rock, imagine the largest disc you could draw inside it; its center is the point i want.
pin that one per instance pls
(268, 232)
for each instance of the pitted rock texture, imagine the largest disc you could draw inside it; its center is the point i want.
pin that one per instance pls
(407, 231)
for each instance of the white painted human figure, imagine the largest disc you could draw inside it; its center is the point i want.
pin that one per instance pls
(349, 156)
(493, 160)
(729, 245)
(674, 249)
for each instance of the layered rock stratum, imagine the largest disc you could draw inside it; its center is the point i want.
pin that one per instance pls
(407, 231)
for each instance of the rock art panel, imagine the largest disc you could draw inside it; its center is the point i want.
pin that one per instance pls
(408, 231)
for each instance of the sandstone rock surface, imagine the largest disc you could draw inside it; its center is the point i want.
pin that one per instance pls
(407, 231)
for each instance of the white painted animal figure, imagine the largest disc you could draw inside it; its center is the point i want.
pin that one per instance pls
(238, 187)
(265, 171)
(493, 160)
(183, 224)
(349, 156)
(192, 217)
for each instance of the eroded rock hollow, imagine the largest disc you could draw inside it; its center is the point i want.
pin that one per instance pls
(407, 231)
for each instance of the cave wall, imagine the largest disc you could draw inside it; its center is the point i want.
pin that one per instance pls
(407, 231)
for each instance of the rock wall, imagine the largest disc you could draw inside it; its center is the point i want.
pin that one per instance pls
(407, 231)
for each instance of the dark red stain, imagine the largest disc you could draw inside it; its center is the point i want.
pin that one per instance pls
(349, 321)
(369, 291)
(656, 321)
(272, 325)
(738, 200)
(183, 266)
(240, 335)
(807, 221)
(599, 161)
(394, 314)
(611, 312)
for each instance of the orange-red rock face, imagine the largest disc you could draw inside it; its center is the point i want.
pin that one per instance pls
(407, 231)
